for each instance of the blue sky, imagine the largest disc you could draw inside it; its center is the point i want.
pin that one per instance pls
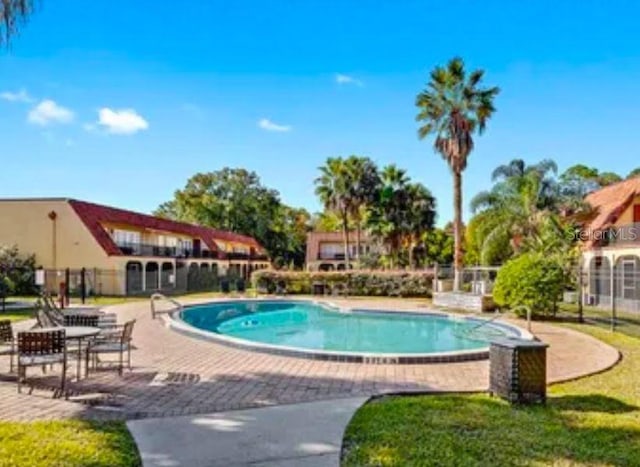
(122, 101)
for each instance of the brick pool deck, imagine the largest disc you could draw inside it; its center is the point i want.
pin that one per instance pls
(175, 374)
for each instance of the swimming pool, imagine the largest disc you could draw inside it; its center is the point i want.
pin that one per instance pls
(320, 330)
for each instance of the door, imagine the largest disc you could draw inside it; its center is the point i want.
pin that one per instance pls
(636, 214)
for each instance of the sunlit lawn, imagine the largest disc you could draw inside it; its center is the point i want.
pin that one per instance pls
(592, 421)
(67, 443)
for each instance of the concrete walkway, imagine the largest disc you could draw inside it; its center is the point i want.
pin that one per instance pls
(308, 434)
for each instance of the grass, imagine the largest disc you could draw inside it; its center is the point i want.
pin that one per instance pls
(591, 421)
(67, 443)
(17, 315)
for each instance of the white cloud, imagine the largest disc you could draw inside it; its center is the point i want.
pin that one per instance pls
(346, 79)
(47, 111)
(268, 125)
(120, 122)
(20, 96)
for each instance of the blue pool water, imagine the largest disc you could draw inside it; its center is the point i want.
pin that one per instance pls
(307, 325)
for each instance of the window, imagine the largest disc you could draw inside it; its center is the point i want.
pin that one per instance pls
(331, 250)
(126, 237)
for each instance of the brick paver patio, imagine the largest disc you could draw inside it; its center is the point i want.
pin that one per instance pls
(178, 375)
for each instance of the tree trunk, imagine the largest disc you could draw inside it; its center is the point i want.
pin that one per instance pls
(358, 230)
(457, 230)
(411, 266)
(345, 233)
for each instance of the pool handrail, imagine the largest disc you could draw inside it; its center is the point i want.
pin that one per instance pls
(158, 296)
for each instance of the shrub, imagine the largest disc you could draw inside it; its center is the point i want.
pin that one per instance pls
(360, 282)
(531, 280)
(18, 269)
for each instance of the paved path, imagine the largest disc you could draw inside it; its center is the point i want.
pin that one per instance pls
(178, 375)
(308, 434)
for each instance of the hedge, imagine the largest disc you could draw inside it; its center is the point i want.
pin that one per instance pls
(360, 282)
(529, 280)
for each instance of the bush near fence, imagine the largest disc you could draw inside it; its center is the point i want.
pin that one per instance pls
(364, 283)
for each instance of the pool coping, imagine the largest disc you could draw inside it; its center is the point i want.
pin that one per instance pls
(176, 323)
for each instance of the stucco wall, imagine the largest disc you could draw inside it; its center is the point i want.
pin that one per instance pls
(27, 225)
(627, 216)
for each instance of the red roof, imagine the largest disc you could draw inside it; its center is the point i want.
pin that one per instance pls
(610, 202)
(94, 215)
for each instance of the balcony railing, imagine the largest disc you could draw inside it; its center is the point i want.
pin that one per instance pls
(143, 249)
(621, 235)
(331, 256)
(237, 255)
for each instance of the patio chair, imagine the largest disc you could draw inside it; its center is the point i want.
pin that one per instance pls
(43, 319)
(81, 320)
(7, 342)
(41, 348)
(119, 343)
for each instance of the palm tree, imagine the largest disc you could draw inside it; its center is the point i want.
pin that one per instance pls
(13, 13)
(453, 107)
(365, 184)
(420, 215)
(333, 187)
(519, 204)
(385, 218)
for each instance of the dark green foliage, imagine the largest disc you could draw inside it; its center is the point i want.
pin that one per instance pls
(531, 280)
(235, 200)
(363, 283)
(16, 272)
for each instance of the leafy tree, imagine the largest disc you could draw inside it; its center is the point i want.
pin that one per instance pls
(420, 215)
(16, 271)
(365, 185)
(13, 14)
(485, 242)
(515, 207)
(438, 246)
(326, 221)
(334, 188)
(235, 200)
(634, 173)
(403, 214)
(453, 107)
(579, 180)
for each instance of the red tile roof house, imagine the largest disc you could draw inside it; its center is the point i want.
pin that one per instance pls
(134, 253)
(611, 247)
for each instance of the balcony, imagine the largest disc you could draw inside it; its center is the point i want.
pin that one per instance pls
(237, 255)
(144, 249)
(331, 256)
(619, 236)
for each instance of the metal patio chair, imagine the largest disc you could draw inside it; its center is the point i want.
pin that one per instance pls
(7, 341)
(119, 343)
(41, 348)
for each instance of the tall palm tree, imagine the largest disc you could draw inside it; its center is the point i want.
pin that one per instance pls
(365, 184)
(333, 187)
(13, 13)
(453, 107)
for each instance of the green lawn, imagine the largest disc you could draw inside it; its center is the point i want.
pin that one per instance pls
(67, 443)
(592, 421)
(17, 315)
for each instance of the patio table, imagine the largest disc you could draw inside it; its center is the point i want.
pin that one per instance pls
(77, 333)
